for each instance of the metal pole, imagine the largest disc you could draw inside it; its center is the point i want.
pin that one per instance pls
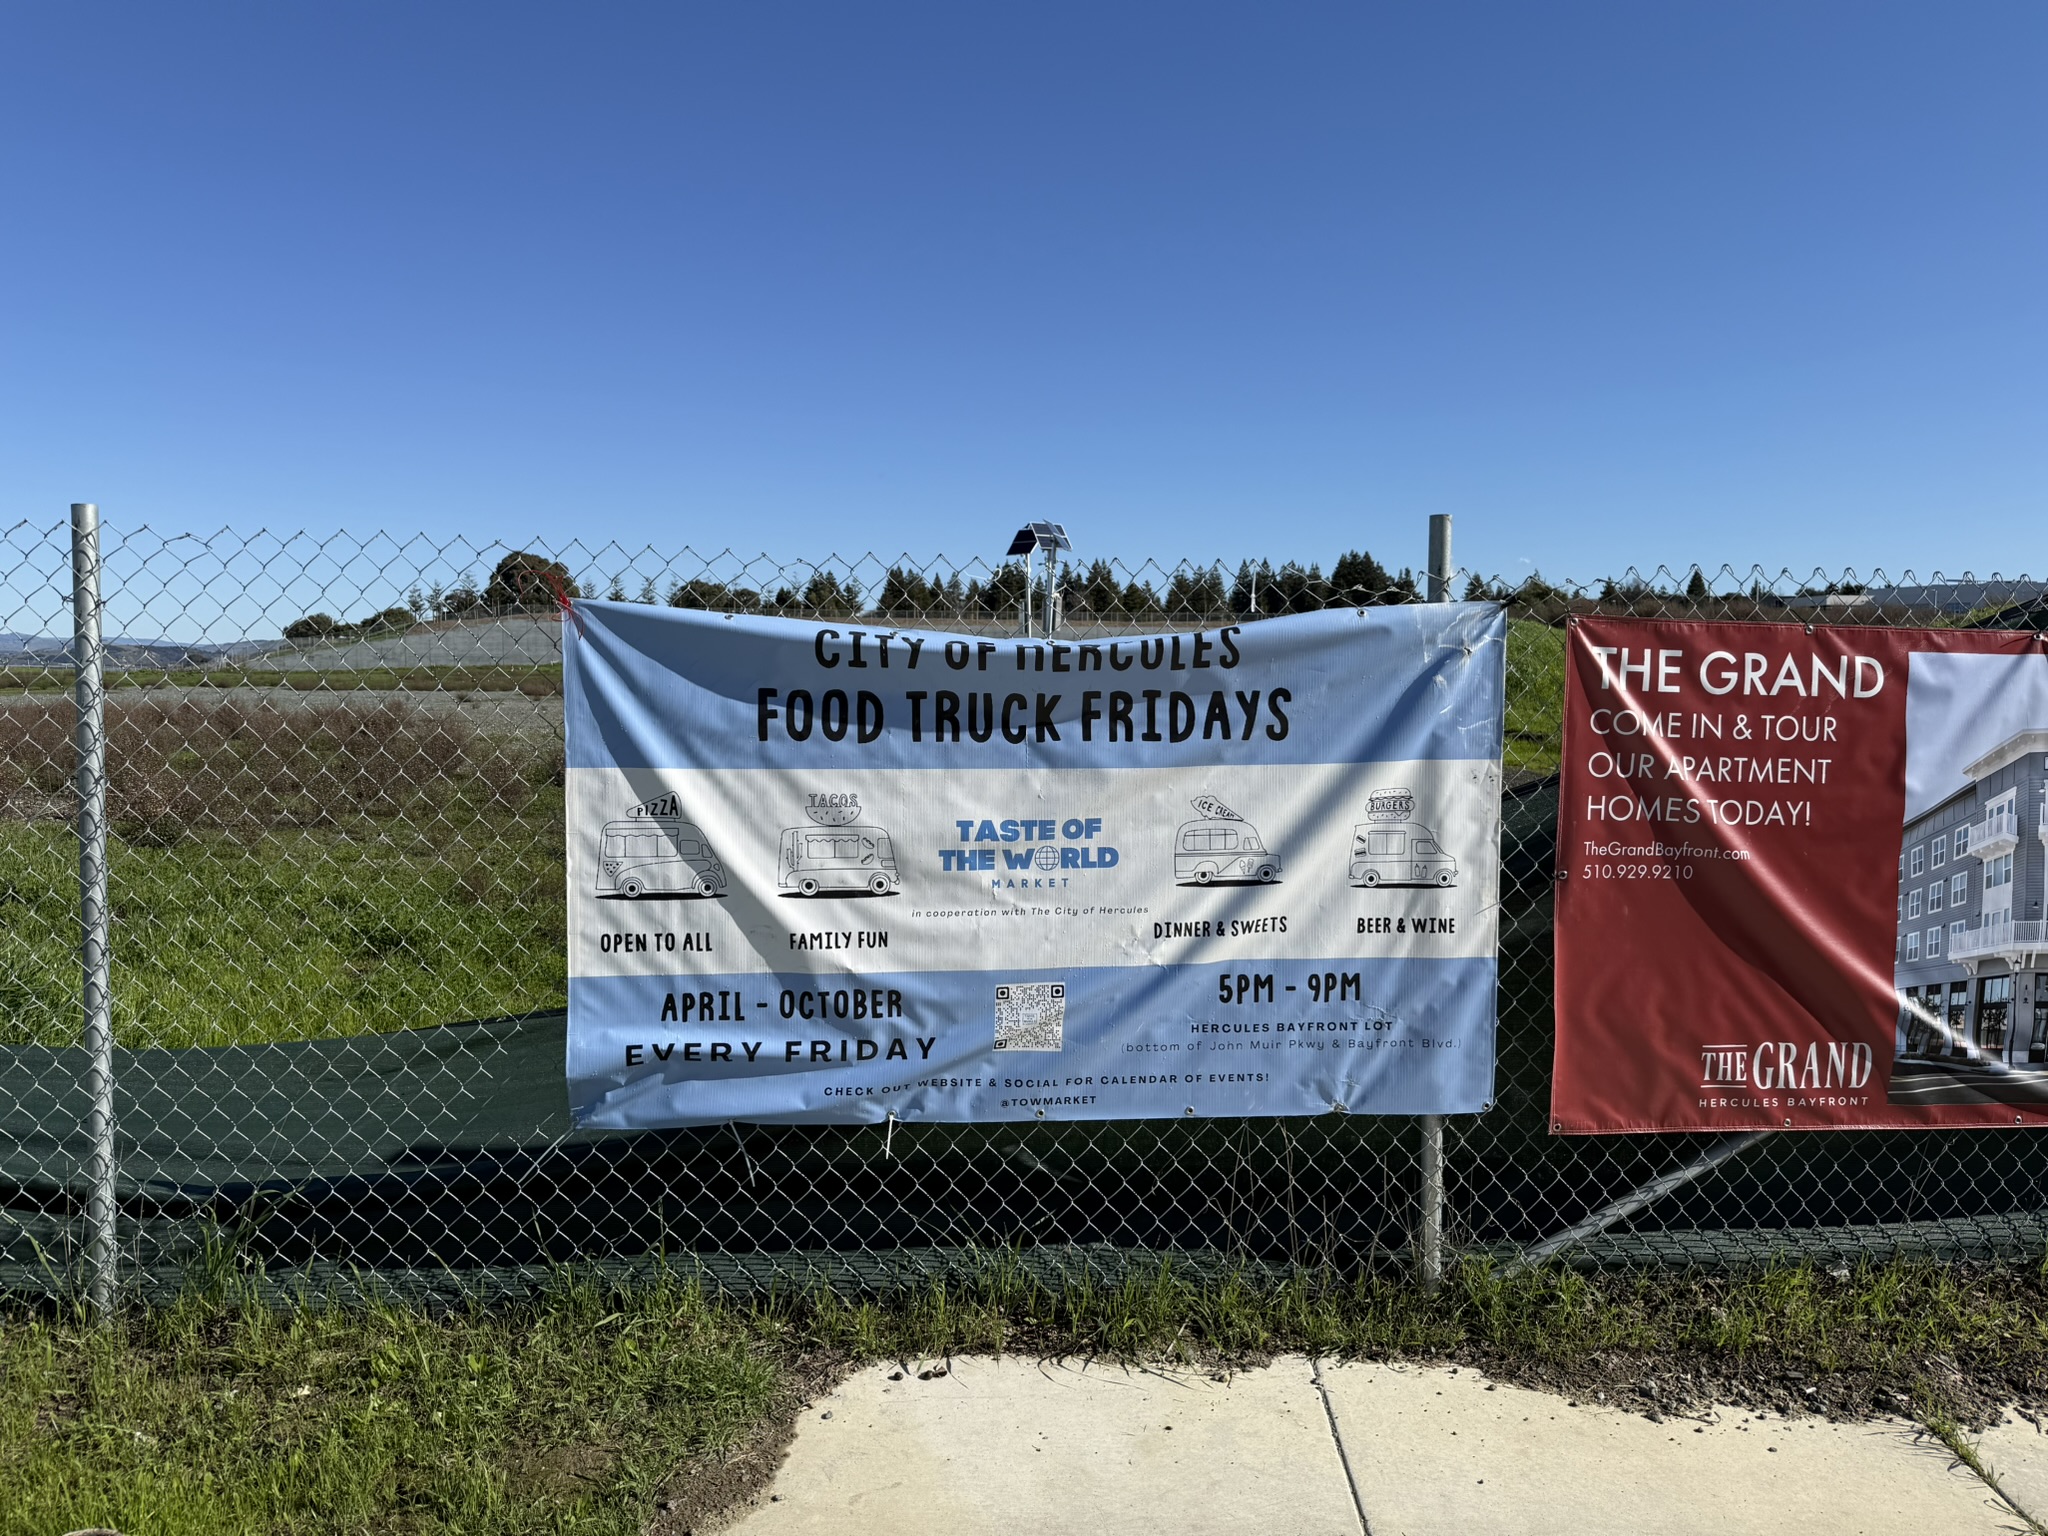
(90, 699)
(1429, 1234)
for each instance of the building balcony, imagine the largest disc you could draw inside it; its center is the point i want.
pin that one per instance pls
(1995, 833)
(2013, 942)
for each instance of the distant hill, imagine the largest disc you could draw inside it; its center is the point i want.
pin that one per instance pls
(1947, 599)
(124, 651)
(502, 640)
(523, 639)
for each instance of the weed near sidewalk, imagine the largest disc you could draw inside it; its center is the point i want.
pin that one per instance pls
(221, 1415)
(593, 1407)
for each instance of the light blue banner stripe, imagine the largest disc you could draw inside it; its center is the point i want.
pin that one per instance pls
(1139, 1042)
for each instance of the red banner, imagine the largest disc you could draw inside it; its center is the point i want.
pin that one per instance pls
(1801, 878)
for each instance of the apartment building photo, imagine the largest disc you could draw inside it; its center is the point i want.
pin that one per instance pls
(1971, 964)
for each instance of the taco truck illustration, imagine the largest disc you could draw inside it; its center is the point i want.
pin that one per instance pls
(836, 854)
(1391, 848)
(1222, 845)
(654, 852)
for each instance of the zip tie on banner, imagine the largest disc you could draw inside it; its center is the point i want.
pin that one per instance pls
(563, 602)
(889, 1137)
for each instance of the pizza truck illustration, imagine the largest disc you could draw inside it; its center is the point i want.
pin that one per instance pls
(1221, 846)
(836, 854)
(654, 852)
(1391, 848)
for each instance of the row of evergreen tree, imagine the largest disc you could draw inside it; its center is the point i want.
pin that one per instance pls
(1096, 590)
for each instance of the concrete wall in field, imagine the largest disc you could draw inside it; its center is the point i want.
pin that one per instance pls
(514, 640)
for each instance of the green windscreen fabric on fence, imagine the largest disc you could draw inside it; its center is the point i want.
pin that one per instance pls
(365, 1145)
(194, 1123)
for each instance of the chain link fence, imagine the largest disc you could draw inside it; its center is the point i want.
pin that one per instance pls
(334, 788)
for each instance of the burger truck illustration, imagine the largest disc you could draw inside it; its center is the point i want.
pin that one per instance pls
(1221, 846)
(1391, 848)
(654, 852)
(836, 854)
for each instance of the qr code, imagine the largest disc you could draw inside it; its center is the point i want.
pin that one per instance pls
(1031, 1016)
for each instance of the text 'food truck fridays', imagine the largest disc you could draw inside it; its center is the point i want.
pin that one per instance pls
(834, 872)
(965, 712)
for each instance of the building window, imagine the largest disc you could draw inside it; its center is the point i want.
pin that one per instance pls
(1934, 897)
(1994, 1012)
(1913, 945)
(2037, 1048)
(1940, 856)
(1919, 861)
(1955, 931)
(1934, 943)
(1962, 841)
(1958, 1015)
(1998, 872)
(1913, 904)
(1958, 889)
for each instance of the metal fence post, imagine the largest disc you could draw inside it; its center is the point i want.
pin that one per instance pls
(97, 992)
(1429, 1231)
(1440, 557)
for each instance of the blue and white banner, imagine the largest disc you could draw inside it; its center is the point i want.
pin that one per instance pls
(831, 871)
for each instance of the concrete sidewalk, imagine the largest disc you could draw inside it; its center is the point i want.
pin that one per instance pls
(1020, 1446)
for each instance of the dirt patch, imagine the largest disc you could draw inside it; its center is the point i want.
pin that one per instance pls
(712, 1491)
(176, 768)
(1688, 1384)
(563, 1472)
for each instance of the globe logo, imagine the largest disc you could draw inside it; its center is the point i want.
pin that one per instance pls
(1047, 858)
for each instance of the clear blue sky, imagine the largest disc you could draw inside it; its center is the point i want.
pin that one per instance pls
(1614, 284)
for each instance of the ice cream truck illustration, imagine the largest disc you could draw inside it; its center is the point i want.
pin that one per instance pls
(836, 854)
(1221, 846)
(654, 852)
(1391, 848)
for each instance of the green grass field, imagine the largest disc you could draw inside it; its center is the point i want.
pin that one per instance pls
(1535, 713)
(285, 873)
(214, 1418)
(292, 934)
